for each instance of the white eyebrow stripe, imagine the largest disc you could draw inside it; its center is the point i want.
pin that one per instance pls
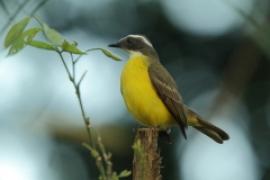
(146, 41)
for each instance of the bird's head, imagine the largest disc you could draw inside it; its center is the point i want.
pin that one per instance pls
(135, 43)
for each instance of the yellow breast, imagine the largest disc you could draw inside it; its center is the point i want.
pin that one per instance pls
(140, 96)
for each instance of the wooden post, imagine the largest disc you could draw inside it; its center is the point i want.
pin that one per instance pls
(146, 160)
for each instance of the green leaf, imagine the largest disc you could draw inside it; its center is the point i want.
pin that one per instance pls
(20, 42)
(72, 48)
(124, 173)
(114, 176)
(52, 35)
(16, 31)
(42, 45)
(106, 53)
(30, 34)
(16, 46)
(110, 54)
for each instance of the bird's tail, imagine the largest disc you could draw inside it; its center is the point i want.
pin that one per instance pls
(207, 128)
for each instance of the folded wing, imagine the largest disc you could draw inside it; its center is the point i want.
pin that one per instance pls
(166, 88)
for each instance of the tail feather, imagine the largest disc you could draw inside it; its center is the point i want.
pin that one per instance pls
(215, 129)
(211, 134)
(207, 128)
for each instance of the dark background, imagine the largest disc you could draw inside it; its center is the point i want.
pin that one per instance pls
(219, 59)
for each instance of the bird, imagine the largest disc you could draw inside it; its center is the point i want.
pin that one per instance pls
(151, 94)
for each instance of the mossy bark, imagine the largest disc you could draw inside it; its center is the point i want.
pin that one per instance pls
(147, 161)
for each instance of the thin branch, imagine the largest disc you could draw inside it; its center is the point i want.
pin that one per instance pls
(65, 66)
(77, 59)
(78, 94)
(39, 5)
(106, 157)
(81, 79)
(88, 50)
(17, 11)
(73, 66)
(85, 117)
(98, 159)
(247, 17)
(4, 7)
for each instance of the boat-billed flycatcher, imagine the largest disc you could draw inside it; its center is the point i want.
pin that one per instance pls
(151, 94)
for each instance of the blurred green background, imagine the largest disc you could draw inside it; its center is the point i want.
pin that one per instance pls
(217, 51)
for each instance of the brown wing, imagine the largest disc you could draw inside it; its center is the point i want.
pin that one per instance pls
(167, 91)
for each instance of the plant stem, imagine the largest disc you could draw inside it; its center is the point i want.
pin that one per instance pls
(65, 66)
(4, 7)
(98, 151)
(85, 117)
(17, 11)
(39, 5)
(73, 66)
(76, 86)
(106, 156)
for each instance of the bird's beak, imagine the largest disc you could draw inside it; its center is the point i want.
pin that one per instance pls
(115, 45)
